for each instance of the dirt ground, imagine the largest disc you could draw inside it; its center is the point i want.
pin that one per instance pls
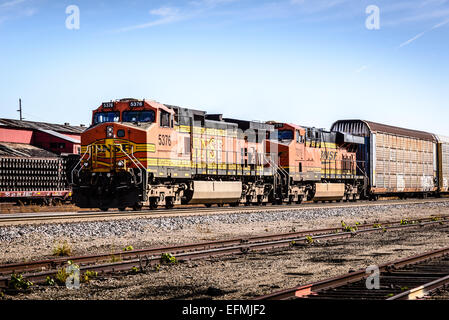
(254, 274)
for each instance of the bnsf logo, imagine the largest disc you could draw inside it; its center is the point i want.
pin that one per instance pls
(164, 140)
(329, 155)
(100, 148)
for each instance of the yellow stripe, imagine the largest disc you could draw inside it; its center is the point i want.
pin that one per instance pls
(335, 171)
(206, 131)
(145, 147)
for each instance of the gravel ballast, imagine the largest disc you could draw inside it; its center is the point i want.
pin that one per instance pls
(37, 241)
(254, 274)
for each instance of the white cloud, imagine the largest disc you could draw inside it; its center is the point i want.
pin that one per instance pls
(11, 10)
(174, 14)
(211, 3)
(10, 4)
(419, 35)
(439, 25)
(165, 11)
(30, 12)
(317, 6)
(166, 14)
(362, 68)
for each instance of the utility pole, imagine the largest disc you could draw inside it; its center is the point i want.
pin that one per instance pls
(20, 109)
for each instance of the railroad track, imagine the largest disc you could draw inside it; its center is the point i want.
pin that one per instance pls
(8, 219)
(38, 271)
(405, 279)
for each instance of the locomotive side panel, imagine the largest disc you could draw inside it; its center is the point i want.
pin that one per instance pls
(214, 151)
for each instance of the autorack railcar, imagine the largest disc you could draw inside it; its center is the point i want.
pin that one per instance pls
(399, 161)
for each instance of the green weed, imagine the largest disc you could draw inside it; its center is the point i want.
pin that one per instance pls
(19, 283)
(168, 258)
(62, 250)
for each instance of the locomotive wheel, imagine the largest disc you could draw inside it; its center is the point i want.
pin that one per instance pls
(122, 209)
(299, 201)
(169, 203)
(220, 205)
(234, 204)
(137, 207)
(153, 204)
(104, 209)
(208, 205)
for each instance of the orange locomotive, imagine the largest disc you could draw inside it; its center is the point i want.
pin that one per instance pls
(318, 165)
(143, 153)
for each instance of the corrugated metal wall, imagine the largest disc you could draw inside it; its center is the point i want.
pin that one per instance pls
(397, 162)
(404, 164)
(445, 166)
(443, 160)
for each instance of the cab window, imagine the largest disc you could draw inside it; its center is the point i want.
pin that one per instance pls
(165, 119)
(138, 116)
(101, 117)
(285, 135)
(299, 137)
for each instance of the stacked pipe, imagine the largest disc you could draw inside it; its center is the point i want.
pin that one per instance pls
(31, 174)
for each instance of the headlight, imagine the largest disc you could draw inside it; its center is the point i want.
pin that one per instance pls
(121, 164)
(86, 164)
(110, 132)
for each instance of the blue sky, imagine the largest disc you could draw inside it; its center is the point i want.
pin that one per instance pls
(309, 62)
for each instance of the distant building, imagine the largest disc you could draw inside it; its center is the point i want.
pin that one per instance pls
(55, 138)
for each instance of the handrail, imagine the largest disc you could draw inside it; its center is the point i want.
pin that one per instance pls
(81, 159)
(136, 161)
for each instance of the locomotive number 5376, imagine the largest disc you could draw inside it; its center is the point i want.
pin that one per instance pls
(164, 140)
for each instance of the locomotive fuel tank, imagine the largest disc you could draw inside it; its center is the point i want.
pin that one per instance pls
(216, 192)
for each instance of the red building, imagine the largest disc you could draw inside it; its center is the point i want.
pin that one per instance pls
(54, 138)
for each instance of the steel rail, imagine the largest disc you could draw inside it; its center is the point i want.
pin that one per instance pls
(52, 263)
(152, 259)
(423, 290)
(339, 281)
(6, 219)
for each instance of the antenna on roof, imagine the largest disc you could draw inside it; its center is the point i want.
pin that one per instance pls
(20, 110)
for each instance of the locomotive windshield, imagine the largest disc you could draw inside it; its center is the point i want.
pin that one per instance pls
(285, 135)
(101, 117)
(138, 116)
